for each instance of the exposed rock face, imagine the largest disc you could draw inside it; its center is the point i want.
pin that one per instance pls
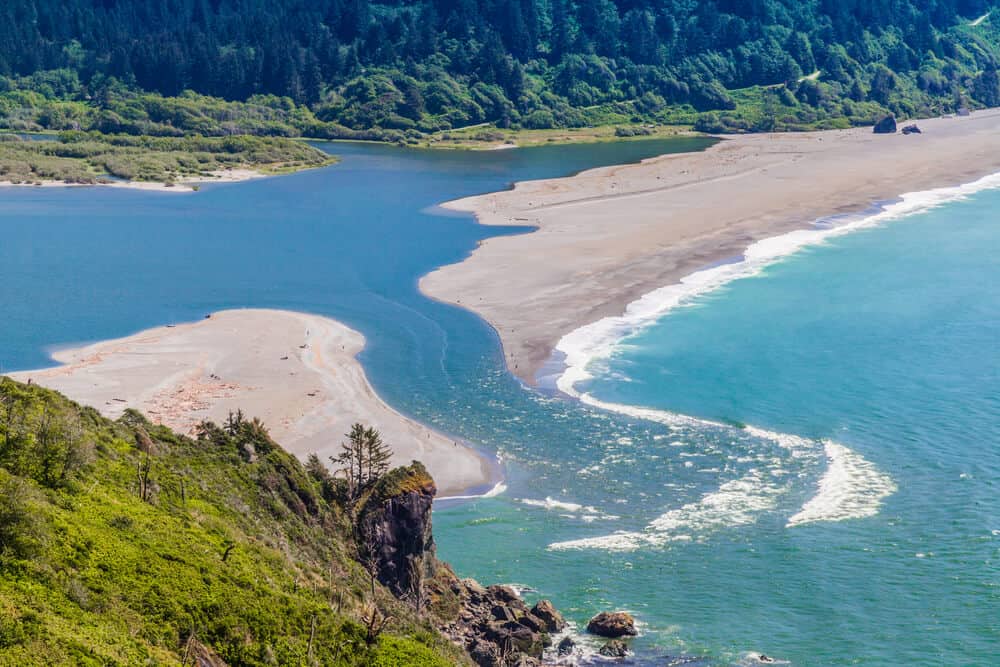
(497, 628)
(553, 620)
(493, 624)
(886, 126)
(395, 528)
(614, 649)
(612, 624)
(202, 656)
(565, 647)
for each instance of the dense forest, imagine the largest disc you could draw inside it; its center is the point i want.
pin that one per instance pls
(405, 69)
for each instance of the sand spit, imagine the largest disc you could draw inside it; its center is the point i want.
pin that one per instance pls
(607, 236)
(297, 372)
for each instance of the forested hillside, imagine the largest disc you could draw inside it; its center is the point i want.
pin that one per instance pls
(333, 67)
(123, 543)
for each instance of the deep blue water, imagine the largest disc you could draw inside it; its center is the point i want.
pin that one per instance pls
(883, 341)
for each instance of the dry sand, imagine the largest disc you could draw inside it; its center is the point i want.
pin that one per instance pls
(186, 184)
(607, 236)
(296, 372)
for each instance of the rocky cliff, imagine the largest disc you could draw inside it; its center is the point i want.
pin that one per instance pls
(394, 527)
(492, 624)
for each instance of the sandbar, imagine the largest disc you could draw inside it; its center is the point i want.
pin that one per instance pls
(297, 372)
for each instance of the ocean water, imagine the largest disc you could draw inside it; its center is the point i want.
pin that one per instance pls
(801, 462)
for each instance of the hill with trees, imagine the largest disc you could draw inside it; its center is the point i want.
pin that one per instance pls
(124, 543)
(401, 70)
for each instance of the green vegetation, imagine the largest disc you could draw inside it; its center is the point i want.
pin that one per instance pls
(79, 157)
(122, 543)
(413, 70)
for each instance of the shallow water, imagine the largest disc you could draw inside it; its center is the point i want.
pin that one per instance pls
(883, 341)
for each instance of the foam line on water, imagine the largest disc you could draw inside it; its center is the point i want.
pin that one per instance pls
(851, 488)
(499, 488)
(599, 339)
(551, 504)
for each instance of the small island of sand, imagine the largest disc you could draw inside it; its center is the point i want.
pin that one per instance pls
(296, 372)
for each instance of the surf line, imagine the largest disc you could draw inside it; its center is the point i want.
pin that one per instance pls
(851, 487)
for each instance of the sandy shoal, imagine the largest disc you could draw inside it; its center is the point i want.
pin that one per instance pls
(296, 372)
(186, 184)
(607, 236)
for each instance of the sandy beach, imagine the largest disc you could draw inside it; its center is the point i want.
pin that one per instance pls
(607, 236)
(187, 184)
(296, 372)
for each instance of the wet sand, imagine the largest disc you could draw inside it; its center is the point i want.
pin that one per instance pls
(607, 236)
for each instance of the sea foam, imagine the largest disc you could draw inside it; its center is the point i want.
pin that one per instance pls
(600, 339)
(851, 487)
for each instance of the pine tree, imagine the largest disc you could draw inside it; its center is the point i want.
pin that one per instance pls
(363, 460)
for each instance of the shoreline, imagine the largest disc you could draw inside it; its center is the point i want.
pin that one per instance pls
(184, 185)
(674, 215)
(297, 372)
(567, 365)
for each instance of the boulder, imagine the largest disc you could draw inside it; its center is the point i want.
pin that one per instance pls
(565, 647)
(911, 129)
(532, 622)
(474, 589)
(507, 596)
(502, 613)
(612, 625)
(614, 649)
(553, 620)
(485, 654)
(886, 126)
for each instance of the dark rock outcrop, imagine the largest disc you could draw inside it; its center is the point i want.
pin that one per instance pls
(552, 619)
(911, 129)
(497, 628)
(615, 648)
(394, 527)
(612, 624)
(493, 625)
(565, 647)
(886, 126)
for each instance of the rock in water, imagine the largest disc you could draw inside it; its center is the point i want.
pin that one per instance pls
(565, 647)
(553, 620)
(612, 624)
(911, 129)
(614, 649)
(886, 126)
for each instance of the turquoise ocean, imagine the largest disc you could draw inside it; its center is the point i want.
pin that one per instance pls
(794, 453)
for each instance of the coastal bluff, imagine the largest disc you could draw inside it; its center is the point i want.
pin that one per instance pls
(492, 624)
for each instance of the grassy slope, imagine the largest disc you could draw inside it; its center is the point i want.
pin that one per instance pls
(92, 157)
(98, 576)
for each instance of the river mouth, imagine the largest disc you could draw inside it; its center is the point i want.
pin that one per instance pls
(351, 241)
